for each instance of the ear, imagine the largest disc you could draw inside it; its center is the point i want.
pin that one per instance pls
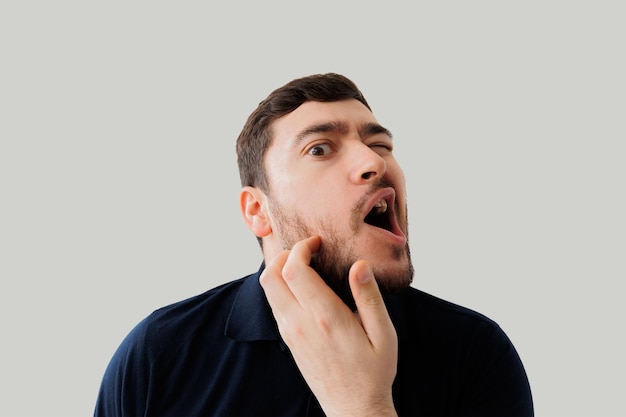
(252, 203)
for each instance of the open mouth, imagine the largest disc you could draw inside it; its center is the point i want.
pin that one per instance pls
(379, 215)
(382, 214)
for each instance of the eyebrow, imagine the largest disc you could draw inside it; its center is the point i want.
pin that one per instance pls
(365, 130)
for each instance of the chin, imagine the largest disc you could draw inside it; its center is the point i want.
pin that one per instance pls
(395, 272)
(391, 278)
(394, 279)
(388, 285)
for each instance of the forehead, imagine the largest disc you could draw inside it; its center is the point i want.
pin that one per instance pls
(349, 114)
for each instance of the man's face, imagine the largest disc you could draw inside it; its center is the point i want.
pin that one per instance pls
(332, 173)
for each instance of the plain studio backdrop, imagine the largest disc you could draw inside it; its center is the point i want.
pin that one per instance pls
(119, 187)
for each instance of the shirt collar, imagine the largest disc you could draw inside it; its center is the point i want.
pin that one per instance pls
(251, 317)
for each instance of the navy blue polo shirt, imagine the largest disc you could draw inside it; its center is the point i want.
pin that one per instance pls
(220, 354)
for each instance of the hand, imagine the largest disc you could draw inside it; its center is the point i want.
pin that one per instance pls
(348, 360)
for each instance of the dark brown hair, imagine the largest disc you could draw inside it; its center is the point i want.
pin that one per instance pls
(256, 136)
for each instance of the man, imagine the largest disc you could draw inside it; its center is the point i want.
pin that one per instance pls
(329, 324)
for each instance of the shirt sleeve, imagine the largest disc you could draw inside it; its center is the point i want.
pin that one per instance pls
(126, 381)
(500, 384)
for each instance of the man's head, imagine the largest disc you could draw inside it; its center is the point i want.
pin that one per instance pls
(256, 135)
(314, 160)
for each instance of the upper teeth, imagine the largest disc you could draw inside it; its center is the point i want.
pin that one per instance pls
(380, 207)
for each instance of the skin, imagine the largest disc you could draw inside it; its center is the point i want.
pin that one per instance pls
(322, 184)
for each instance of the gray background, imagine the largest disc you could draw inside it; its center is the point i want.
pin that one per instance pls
(119, 185)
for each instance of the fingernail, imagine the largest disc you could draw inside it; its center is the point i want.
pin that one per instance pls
(365, 275)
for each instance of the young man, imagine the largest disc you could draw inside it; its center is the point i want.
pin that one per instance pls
(329, 324)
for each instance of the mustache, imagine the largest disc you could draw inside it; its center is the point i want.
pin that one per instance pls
(355, 218)
(383, 183)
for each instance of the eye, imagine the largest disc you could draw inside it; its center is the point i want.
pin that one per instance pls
(320, 150)
(382, 147)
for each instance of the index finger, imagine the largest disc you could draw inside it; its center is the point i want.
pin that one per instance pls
(279, 296)
(273, 281)
(303, 281)
(299, 259)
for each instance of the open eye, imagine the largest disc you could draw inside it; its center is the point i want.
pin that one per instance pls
(320, 150)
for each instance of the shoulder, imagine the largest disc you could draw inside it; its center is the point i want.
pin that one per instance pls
(428, 308)
(210, 308)
(422, 317)
(157, 344)
(448, 342)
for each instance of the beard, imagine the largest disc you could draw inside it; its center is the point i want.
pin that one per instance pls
(336, 255)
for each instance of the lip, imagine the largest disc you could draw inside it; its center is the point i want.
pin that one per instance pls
(389, 195)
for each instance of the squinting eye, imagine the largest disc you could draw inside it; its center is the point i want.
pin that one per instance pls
(382, 146)
(320, 150)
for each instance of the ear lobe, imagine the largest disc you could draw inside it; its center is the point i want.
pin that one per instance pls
(252, 206)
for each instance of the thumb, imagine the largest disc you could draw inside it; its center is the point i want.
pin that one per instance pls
(371, 307)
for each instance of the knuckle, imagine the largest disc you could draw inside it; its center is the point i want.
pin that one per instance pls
(372, 299)
(289, 271)
(291, 330)
(324, 323)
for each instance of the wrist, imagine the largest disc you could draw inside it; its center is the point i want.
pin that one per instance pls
(372, 409)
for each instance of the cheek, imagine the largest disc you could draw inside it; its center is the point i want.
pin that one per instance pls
(314, 196)
(397, 178)
(317, 195)
(322, 209)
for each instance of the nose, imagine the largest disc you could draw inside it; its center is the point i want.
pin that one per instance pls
(368, 166)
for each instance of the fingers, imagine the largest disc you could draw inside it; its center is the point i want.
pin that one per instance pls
(290, 282)
(278, 293)
(292, 286)
(371, 307)
(347, 363)
(300, 258)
